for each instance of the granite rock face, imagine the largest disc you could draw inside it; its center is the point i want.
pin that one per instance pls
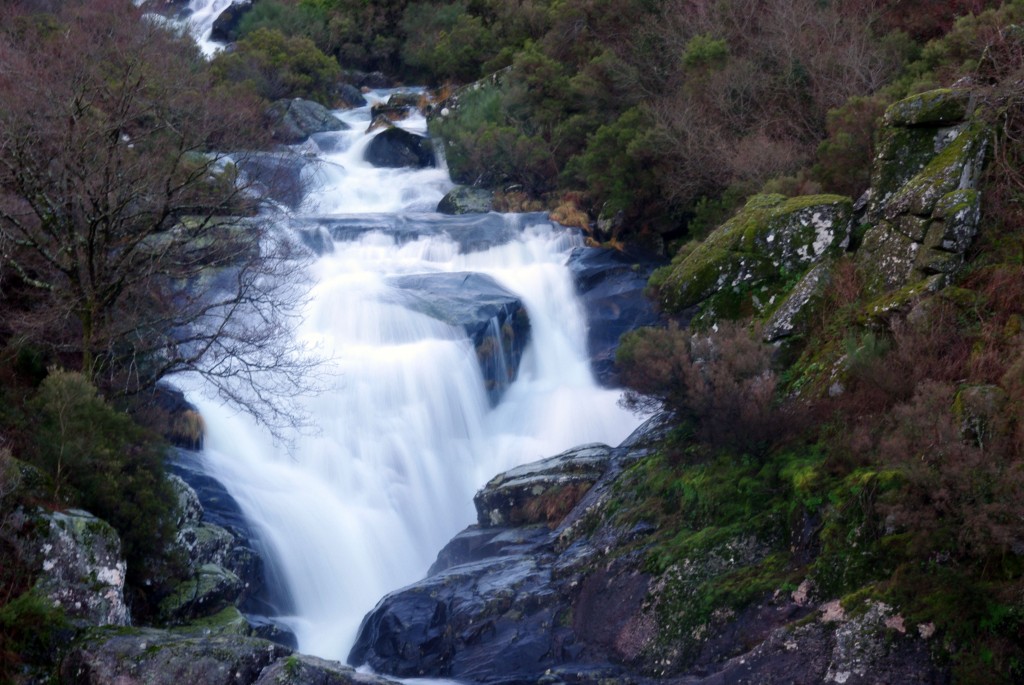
(83, 570)
(925, 207)
(751, 259)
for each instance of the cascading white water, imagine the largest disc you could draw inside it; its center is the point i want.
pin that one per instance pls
(406, 433)
(201, 15)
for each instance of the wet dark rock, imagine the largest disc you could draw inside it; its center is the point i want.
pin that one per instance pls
(497, 606)
(397, 148)
(293, 121)
(351, 96)
(225, 26)
(494, 318)
(277, 174)
(466, 200)
(611, 286)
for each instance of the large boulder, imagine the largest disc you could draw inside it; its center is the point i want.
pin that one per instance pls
(350, 96)
(925, 207)
(541, 492)
(225, 26)
(746, 263)
(496, 605)
(611, 285)
(197, 655)
(83, 571)
(397, 148)
(294, 120)
(494, 318)
(277, 174)
(466, 200)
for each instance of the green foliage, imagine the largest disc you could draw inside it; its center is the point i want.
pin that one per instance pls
(278, 66)
(446, 42)
(705, 51)
(101, 461)
(30, 633)
(617, 166)
(844, 158)
(302, 19)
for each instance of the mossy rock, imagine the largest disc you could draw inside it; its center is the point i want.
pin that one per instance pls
(940, 107)
(208, 592)
(980, 410)
(228, 621)
(886, 258)
(770, 238)
(902, 299)
(956, 167)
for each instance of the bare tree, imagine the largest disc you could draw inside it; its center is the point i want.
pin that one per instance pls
(130, 241)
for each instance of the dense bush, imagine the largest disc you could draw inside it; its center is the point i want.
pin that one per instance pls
(720, 383)
(102, 461)
(278, 66)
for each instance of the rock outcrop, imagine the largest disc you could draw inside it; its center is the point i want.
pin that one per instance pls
(466, 200)
(547, 588)
(612, 287)
(747, 263)
(83, 571)
(495, 319)
(397, 148)
(925, 206)
(157, 657)
(293, 121)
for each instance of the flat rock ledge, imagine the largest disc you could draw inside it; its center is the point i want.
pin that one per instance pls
(157, 657)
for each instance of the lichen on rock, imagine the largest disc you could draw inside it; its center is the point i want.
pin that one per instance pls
(83, 571)
(771, 240)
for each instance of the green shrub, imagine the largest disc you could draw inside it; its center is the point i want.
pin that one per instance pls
(29, 633)
(101, 461)
(278, 66)
(446, 42)
(715, 382)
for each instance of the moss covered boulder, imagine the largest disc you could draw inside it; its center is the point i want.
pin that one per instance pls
(83, 571)
(925, 207)
(754, 255)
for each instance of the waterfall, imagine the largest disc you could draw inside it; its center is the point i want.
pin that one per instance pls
(406, 431)
(201, 15)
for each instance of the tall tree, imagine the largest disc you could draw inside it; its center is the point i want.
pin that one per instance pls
(130, 241)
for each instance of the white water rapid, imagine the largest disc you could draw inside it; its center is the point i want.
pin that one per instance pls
(201, 15)
(406, 433)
